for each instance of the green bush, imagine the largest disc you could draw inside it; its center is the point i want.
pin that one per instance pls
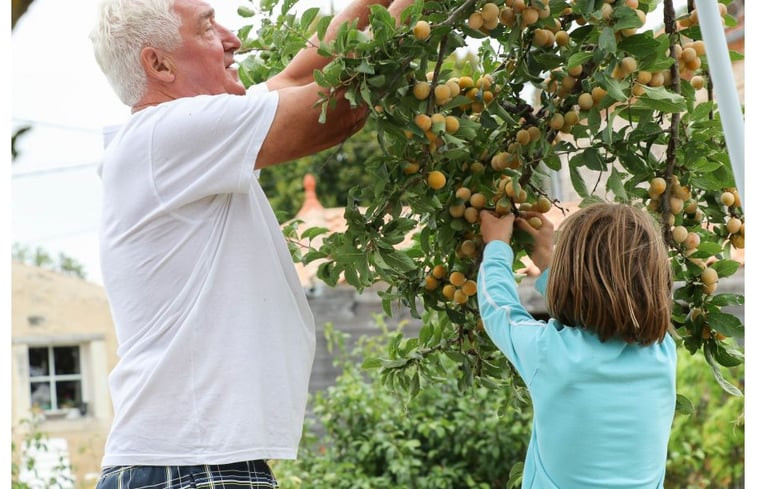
(362, 435)
(706, 447)
(371, 438)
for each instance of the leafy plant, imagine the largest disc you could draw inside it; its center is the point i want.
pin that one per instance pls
(613, 105)
(365, 436)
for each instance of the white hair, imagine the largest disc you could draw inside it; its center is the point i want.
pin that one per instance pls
(123, 29)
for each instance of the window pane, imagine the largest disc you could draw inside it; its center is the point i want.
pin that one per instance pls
(69, 393)
(66, 359)
(40, 392)
(38, 362)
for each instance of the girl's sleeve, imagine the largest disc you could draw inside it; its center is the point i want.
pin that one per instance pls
(506, 321)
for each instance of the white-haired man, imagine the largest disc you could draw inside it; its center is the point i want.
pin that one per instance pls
(215, 335)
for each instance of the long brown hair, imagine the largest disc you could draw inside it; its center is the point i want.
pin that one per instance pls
(610, 274)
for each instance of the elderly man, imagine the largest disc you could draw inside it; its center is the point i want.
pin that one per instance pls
(215, 335)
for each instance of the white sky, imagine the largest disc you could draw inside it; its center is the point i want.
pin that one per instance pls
(58, 88)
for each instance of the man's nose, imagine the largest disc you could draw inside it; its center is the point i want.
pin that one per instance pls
(230, 41)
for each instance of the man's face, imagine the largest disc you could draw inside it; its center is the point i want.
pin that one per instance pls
(203, 61)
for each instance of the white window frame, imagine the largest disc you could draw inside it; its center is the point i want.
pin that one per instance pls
(52, 378)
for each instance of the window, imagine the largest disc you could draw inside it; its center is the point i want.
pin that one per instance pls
(55, 377)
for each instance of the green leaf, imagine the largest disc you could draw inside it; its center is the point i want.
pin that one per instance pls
(659, 98)
(684, 405)
(725, 323)
(397, 260)
(725, 268)
(311, 233)
(727, 300)
(578, 59)
(371, 362)
(727, 386)
(575, 177)
(593, 160)
(607, 40)
(615, 184)
(727, 357)
(309, 16)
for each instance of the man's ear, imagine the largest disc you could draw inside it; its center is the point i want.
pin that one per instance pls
(157, 65)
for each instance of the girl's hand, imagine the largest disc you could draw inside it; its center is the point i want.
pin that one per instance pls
(541, 253)
(494, 227)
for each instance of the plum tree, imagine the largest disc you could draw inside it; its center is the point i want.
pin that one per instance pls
(579, 88)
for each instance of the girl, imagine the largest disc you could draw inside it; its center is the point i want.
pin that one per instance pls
(601, 372)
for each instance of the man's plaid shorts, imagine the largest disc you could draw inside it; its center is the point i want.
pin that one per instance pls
(255, 474)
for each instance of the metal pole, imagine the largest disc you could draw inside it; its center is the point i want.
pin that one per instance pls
(726, 94)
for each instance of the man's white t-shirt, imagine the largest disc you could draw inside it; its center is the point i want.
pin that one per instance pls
(216, 338)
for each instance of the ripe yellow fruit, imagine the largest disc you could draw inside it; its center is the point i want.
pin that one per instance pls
(490, 11)
(680, 233)
(463, 193)
(688, 55)
(439, 272)
(697, 82)
(644, 77)
(457, 210)
(733, 225)
(436, 179)
(557, 121)
(451, 124)
(571, 118)
(478, 200)
(476, 20)
(460, 297)
(737, 241)
(523, 137)
(709, 276)
(454, 87)
(699, 47)
(534, 133)
(469, 288)
(585, 100)
(468, 248)
(411, 168)
(438, 118)
(507, 16)
(606, 11)
(628, 64)
(431, 283)
(676, 205)
(543, 38)
(423, 121)
(692, 241)
(448, 291)
(442, 94)
(503, 206)
(657, 186)
(727, 199)
(543, 205)
(562, 38)
(535, 222)
(457, 278)
(422, 30)
(471, 215)
(465, 82)
(598, 94)
(529, 16)
(421, 90)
